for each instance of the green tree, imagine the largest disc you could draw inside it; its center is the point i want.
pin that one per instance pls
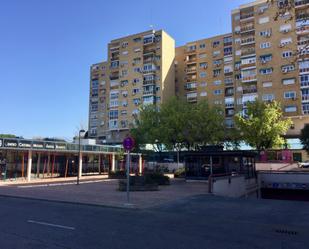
(7, 136)
(304, 137)
(147, 128)
(263, 127)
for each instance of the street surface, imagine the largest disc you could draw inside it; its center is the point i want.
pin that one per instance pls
(202, 221)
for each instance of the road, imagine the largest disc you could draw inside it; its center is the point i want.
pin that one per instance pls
(196, 222)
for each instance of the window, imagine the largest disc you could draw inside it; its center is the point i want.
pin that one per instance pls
(290, 81)
(125, 44)
(125, 52)
(191, 48)
(268, 97)
(237, 41)
(285, 28)
(285, 41)
(216, 53)
(203, 75)
(238, 52)
(303, 66)
(124, 112)
(291, 108)
(265, 71)
(202, 46)
(137, 39)
(203, 84)
(216, 72)
(263, 20)
(249, 60)
(217, 82)
(113, 114)
(267, 84)
(135, 81)
(264, 45)
(124, 103)
(136, 50)
(227, 51)
(263, 8)
(216, 43)
(203, 65)
(287, 68)
(113, 103)
(113, 124)
(135, 91)
(287, 54)
(266, 58)
(136, 101)
(137, 70)
(266, 33)
(304, 80)
(203, 55)
(124, 72)
(203, 94)
(217, 92)
(289, 95)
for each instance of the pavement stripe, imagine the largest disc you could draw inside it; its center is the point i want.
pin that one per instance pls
(50, 224)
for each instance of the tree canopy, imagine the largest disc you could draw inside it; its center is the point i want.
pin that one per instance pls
(263, 126)
(178, 124)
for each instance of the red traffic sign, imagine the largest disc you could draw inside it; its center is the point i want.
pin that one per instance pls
(128, 143)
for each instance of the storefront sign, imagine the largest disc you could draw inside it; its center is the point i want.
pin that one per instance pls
(60, 146)
(24, 144)
(11, 143)
(38, 145)
(49, 146)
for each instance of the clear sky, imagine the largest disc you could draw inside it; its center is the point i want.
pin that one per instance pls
(47, 47)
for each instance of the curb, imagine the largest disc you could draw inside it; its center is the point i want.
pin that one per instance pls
(73, 203)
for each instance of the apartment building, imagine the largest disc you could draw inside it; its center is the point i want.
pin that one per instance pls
(139, 71)
(262, 58)
(267, 63)
(204, 70)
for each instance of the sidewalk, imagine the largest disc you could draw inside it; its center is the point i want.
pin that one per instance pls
(103, 192)
(48, 180)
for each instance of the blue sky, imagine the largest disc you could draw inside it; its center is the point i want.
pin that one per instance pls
(47, 47)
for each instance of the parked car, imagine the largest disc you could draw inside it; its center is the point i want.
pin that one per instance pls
(303, 164)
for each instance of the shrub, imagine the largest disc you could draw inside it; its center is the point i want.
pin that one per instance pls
(181, 172)
(158, 178)
(117, 174)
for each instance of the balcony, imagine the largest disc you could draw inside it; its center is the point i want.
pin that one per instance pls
(305, 98)
(249, 79)
(246, 16)
(191, 70)
(149, 40)
(149, 82)
(304, 84)
(190, 86)
(229, 105)
(192, 97)
(114, 76)
(249, 90)
(247, 29)
(228, 81)
(301, 4)
(302, 26)
(304, 70)
(229, 92)
(247, 41)
(148, 52)
(247, 52)
(149, 92)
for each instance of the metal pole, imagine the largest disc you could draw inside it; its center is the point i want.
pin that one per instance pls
(78, 158)
(128, 177)
(211, 165)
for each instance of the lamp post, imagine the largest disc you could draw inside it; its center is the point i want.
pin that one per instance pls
(79, 152)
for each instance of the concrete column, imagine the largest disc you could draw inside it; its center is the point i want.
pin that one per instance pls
(80, 167)
(113, 162)
(29, 166)
(140, 164)
(38, 165)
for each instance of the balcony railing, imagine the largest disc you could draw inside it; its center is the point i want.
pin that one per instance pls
(301, 3)
(305, 97)
(149, 92)
(229, 105)
(191, 70)
(247, 29)
(249, 79)
(149, 82)
(247, 52)
(246, 16)
(304, 84)
(248, 41)
(190, 86)
(249, 90)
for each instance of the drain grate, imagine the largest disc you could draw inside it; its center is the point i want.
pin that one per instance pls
(286, 231)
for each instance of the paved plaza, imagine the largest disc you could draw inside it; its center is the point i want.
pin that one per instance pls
(102, 191)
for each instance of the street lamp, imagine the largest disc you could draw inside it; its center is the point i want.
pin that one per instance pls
(79, 152)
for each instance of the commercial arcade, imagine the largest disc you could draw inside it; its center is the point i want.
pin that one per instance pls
(30, 159)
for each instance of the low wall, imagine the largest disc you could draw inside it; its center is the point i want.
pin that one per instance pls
(230, 186)
(275, 166)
